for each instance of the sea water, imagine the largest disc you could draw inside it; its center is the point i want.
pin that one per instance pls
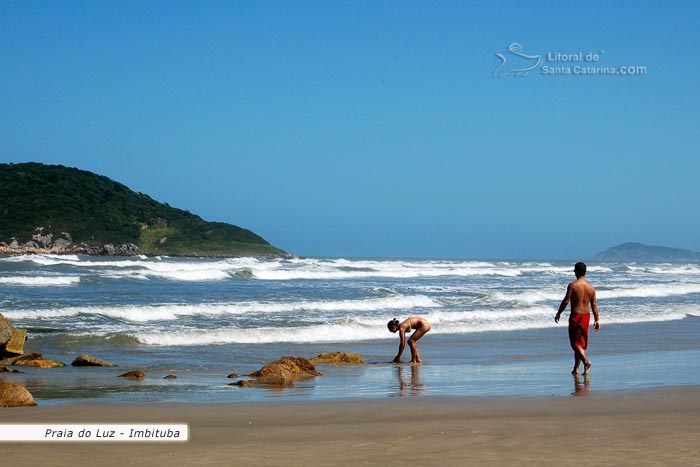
(200, 319)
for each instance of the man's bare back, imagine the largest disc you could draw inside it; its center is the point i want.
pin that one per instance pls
(582, 296)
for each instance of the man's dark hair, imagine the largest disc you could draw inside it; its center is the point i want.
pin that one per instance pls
(580, 268)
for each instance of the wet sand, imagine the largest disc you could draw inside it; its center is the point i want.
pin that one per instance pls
(646, 427)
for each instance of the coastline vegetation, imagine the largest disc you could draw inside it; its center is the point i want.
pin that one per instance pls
(96, 210)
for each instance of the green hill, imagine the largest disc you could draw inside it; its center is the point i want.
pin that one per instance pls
(96, 210)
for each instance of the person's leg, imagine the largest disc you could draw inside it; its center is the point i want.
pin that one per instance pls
(577, 363)
(578, 337)
(581, 355)
(415, 356)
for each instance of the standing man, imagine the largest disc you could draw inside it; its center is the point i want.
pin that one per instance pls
(581, 294)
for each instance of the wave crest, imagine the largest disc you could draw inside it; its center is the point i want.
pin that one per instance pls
(40, 281)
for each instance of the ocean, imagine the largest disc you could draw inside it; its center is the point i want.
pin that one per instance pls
(200, 319)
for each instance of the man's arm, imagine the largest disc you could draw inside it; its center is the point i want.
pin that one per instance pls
(402, 345)
(594, 309)
(564, 303)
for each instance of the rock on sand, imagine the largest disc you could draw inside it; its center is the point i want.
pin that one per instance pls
(14, 395)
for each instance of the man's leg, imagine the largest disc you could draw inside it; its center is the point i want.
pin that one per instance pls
(581, 355)
(577, 363)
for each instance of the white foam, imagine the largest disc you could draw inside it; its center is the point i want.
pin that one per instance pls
(40, 281)
(171, 312)
(40, 314)
(345, 269)
(367, 321)
(691, 269)
(42, 259)
(530, 297)
(295, 269)
(547, 268)
(527, 297)
(192, 276)
(373, 328)
(657, 290)
(194, 271)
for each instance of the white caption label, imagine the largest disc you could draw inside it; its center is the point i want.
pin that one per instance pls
(94, 432)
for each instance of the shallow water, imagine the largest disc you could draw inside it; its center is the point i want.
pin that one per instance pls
(492, 325)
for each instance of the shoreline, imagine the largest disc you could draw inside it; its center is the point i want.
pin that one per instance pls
(639, 427)
(96, 252)
(475, 371)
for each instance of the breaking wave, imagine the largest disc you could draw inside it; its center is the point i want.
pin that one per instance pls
(545, 295)
(40, 281)
(200, 269)
(359, 329)
(145, 313)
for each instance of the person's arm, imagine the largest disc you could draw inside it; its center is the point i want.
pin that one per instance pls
(594, 309)
(402, 344)
(564, 303)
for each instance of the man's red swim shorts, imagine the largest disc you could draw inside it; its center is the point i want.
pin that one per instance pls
(578, 330)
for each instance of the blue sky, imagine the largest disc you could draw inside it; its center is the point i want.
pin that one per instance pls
(372, 129)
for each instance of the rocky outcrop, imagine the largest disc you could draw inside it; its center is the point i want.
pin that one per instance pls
(14, 395)
(339, 357)
(293, 365)
(30, 356)
(127, 249)
(281, 373)
(89, 360)
(133, 375)
(43, 241)
(251, 383)
(62, 243)
(11, 339)
(5, 331)
(34, 359)
(62, 246)
(41, 363)
(15, 346)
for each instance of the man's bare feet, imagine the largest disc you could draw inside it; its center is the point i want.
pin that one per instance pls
(574, 372)
(587, 366)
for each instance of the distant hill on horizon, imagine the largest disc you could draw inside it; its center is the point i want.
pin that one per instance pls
(632, 251)
(63, 209)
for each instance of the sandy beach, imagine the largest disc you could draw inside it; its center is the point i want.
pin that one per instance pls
(646, 427)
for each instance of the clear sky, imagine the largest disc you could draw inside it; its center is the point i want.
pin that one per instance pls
(370, 128)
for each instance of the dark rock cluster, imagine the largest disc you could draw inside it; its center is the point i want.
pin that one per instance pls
(63, 243)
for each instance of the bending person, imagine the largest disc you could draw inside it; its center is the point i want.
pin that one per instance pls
(419, 326)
